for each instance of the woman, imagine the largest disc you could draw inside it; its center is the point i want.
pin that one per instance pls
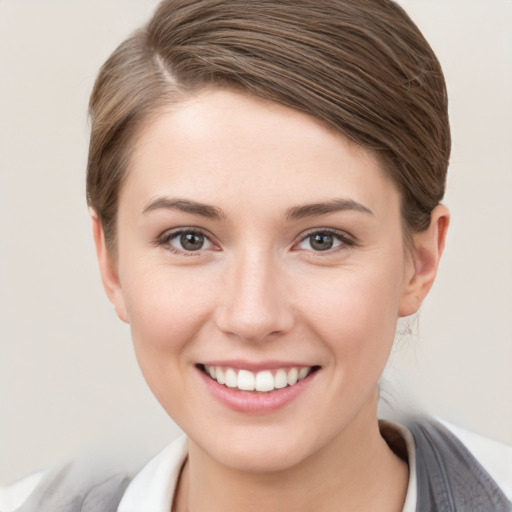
(265, 182)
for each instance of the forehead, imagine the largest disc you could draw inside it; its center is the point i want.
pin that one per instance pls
(224, 146)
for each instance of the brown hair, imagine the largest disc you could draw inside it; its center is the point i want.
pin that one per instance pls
(360, 66)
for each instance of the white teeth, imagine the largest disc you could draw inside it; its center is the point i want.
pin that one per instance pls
(280, 379)
(245, 380)
(231, 378)
(303, 373)
(293, 375)
(263, 381)
(220, 376)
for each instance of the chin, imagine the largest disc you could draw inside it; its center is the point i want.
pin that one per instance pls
(259, 458)
(259, 449)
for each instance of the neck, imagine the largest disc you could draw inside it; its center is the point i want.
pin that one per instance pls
(355, 471)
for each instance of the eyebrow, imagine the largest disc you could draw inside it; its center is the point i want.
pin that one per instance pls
(187, 206)
(316, 209)
(294, 213)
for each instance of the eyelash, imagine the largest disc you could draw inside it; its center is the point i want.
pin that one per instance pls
(345, 241)
(165, 239)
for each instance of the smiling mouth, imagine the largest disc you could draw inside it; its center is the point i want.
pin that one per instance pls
(263, 381)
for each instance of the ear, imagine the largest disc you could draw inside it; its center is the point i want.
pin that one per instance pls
(108, 269)
(425, 257)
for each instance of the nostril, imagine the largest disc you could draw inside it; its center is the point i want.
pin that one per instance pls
(256, 325)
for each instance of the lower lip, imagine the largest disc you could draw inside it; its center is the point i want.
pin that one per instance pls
(253, 401)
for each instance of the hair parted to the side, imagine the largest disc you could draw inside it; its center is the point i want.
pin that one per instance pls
(360, 66)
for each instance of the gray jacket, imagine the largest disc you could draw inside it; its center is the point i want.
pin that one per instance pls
(449, 480)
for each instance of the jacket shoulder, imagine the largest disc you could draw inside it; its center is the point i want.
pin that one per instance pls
(449, 477)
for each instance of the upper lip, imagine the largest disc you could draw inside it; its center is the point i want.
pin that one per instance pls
(255, 366)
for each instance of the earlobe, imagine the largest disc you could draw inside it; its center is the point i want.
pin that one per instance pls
(108, 269)
(428, 248)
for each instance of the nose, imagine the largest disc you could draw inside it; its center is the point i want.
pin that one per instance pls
(255, 305)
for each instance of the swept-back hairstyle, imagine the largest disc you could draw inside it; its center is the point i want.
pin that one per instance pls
(362, 67)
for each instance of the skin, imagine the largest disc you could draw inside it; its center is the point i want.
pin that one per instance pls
(258, 290)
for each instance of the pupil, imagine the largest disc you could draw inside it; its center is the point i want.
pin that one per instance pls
(192, 241)
(321, 242)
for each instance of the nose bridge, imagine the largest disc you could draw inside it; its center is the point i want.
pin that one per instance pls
(254, 305)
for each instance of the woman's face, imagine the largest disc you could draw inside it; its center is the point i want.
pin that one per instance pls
(254, 240)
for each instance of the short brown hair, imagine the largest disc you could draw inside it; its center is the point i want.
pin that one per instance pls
(360, 66)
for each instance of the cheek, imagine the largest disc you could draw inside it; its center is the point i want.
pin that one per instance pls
(357, 313)
(167, 309)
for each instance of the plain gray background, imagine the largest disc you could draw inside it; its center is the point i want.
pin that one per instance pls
(68, 376)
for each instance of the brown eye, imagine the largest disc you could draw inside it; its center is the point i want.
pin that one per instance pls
(192, 241)
(321, 241)
(186, 241)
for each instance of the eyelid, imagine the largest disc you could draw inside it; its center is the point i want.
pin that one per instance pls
(164, 238)
(347, 240)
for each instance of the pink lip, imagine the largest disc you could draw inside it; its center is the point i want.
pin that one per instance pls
(253, 401)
